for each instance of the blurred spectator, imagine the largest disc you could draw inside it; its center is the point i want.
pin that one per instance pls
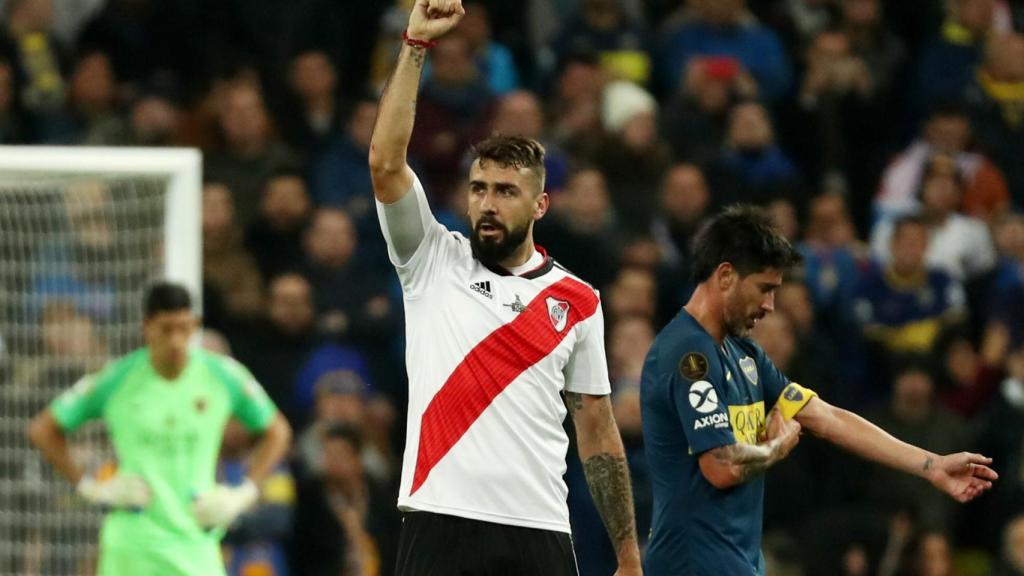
(343, 397)
(632, 155)
(352, 303)
(255, 542)
(932, 555)
(1013, 549)
(70, 346)
(275, 350)
(155, 117)
(276, 234)
(93, 101)
(229, 268)
(833, 260)
(948, 59)
(695, 120)
(947, 132)
(966, 378)
(725, 29)
(492, 58)
(785, 219)
(581, 228)
(996, 97)
(602, 27)
(628, 341)
(343, 523)
(751, 166)
(685, 204)
(453, 111)
(315, 112)
(1007, 299)
(903, 304)
(520, 114)
(632, 293)
(39, 64)
(959, 245)
(913, 416)
(250, 153)
(575, 107)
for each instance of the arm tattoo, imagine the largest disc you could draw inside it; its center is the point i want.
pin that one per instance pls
(418, 56)
(608, 478)
(573, 402)
(749, 460)
(928, 464)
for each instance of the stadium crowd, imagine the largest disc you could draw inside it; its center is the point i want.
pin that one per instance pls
(886, 138)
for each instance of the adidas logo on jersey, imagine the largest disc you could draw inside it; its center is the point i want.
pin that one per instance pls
(482, 288)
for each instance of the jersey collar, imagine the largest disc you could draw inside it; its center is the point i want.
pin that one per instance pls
(545, 266)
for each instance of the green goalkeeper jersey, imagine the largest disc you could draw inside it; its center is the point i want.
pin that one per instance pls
(169, 432)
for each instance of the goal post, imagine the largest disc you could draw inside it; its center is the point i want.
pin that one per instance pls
(181, 167)
(82, 232)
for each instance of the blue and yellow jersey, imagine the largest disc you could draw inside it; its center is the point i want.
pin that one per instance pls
(697, 396)
(906, 315)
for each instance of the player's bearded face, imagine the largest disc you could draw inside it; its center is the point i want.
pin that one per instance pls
(492, 241)
(749, 300)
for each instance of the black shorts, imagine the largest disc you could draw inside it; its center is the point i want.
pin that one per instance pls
(439, 545)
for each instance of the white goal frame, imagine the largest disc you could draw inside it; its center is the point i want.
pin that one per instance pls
(182, 168)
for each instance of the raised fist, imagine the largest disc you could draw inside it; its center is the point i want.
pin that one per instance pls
(431, 19)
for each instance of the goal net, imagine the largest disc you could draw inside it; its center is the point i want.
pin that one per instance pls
(82, 233)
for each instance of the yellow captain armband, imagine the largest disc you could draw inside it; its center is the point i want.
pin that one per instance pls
(793, 399)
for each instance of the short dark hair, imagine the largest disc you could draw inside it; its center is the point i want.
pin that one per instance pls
(512, 152)
(165, 297)
(905, 220)
(744, 236)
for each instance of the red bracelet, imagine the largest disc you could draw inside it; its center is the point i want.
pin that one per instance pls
(417, 43)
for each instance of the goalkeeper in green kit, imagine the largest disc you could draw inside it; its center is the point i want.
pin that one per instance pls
(165, 407)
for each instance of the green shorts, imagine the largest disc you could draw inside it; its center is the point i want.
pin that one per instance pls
(194, 559)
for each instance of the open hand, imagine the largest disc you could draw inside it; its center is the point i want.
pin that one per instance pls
(431, 19)
(964, 476)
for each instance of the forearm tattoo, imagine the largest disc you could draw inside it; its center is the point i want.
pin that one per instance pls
(748, 460)
(573, 402)
(418, 56)
(608, 478)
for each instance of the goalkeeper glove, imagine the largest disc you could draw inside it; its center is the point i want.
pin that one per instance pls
(120, 491)
(223, 504)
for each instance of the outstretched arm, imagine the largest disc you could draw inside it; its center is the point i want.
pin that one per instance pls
(604, 463)
(392, 177)
(963, 475)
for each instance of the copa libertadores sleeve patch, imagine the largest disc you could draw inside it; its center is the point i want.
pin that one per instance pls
(793, 399)
(693, 366)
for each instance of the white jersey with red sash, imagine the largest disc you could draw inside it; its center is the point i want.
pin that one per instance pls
(488, 354)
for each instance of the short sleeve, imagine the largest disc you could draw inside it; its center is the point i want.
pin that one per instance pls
(419, 247)
(773, 380)
(697, 384)
(249, 402)
(87, 398)
(586, 372)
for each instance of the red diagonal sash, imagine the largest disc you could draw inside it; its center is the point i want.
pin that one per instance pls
(492, 365)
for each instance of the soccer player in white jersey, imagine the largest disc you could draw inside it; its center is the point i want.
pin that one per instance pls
(496, 333)
(165, 407)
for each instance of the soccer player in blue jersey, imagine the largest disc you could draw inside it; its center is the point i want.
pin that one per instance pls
(717, 413)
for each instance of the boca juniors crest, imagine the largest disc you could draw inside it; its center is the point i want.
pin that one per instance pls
(749, 369)
(558, 312)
